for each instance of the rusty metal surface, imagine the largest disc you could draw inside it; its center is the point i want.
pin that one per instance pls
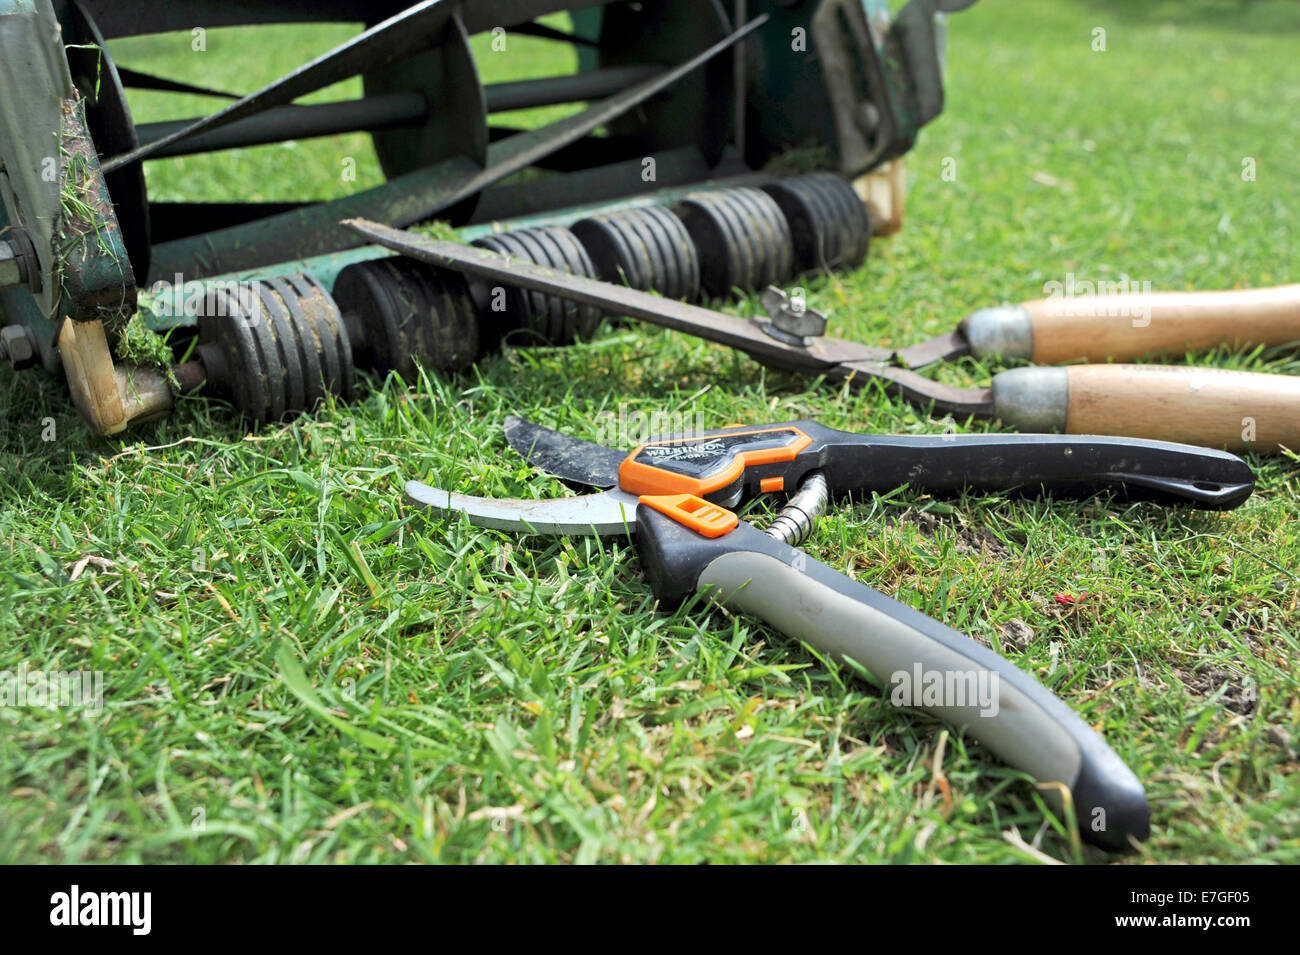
(884, 80)
(933, 350)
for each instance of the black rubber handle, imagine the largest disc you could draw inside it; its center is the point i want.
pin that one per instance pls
(1073, 466)
(979, 692)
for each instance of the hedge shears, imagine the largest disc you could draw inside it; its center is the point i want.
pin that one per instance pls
(1216, 407)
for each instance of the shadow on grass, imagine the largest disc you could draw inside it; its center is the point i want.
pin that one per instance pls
(44, 445)
(41, 437)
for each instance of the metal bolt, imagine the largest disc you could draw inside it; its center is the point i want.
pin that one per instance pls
(867, 117)
(18, 346)
(790, 324)
(18, 264)
(11, 272)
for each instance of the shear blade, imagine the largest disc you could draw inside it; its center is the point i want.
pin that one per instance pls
(934, 350)
(608, 514)
(572, 460)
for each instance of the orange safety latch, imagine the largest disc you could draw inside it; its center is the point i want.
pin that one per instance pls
(703, 517)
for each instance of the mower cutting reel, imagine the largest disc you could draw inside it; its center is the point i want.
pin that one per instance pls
(671, 94)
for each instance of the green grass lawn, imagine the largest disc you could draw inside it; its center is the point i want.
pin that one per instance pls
(299, 667)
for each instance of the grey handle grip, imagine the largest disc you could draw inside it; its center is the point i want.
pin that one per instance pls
(1023, 723)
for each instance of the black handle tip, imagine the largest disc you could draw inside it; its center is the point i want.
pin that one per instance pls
(1110, 804)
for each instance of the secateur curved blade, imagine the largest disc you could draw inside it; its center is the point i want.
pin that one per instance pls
(610, 513)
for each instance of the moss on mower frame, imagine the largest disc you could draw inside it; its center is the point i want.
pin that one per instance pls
(93, 277)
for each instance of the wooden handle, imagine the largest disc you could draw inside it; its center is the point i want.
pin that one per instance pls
(1236, 410)
(1123, 327)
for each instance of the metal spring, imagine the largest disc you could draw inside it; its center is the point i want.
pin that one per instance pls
(798, 518)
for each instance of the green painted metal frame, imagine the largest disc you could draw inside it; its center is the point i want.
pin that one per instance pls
(51, 174)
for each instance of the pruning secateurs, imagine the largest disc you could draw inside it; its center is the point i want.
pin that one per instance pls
(675, 496)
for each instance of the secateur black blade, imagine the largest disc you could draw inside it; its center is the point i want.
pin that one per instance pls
(570, 459)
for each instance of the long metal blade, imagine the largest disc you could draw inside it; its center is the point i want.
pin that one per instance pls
(933, 350)
(147, 81)
(550, 33)
(921, 391)
(824, 355)
(394, 39)
(608, 514)
(563, 456)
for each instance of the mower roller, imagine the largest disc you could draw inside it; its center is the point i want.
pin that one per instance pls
(644, 247)
(390, 314)
(829, 227)
(547, 318)
(275, 346)
(397, 311)
(740, 244)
